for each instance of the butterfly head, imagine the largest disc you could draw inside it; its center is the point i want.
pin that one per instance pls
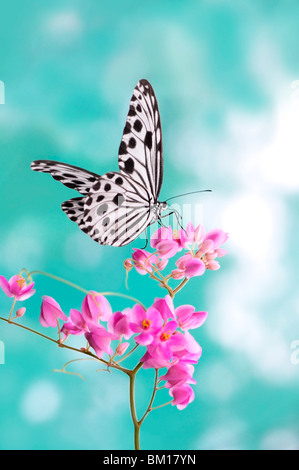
(157, 208)
(163, 206)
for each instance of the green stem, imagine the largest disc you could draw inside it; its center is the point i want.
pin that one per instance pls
(180, 286)
(75, 286)
(127, 355)
(12, 307)
(62, 345)
(59, 279)
(133, 412)
(132, 376)
(161, 406)
(149, 408)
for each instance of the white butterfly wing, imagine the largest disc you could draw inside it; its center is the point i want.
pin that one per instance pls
(140, 152)
(116, 207)
(116, 210)
(71, 176)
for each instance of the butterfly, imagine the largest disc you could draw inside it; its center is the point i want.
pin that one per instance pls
(115, 208)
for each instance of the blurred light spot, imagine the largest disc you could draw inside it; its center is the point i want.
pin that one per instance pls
(255, 335)
(64, 25)
(251, 222)
(218, 381)
(280, 439)
(22, 246)
(228, 435)
(41, 402)
(279, 161)
(82, 251)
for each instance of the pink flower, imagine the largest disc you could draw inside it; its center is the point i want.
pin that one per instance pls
(178, 374)
(190, 236)
(165, 307)
(17, 287)
(182, 396)
(192, 351)
(217, 236)
(188, 266)
(121, 348)
(95, 307)
(20, 312)
(99, 339)
(50, 312)
(144, 261)
(76, 324)
(145, 322)
(209, 250)
(167, 341)
(162, 241)
(119, 325)
(188, 319)
(153, 362)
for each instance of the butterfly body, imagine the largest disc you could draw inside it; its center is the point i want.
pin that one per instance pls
(115, 208)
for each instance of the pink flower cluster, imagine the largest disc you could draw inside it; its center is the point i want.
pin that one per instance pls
(162, 329)
(201, 248)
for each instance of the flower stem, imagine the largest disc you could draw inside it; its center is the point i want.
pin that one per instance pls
(160, 406)
(75, 286)
(149, 408)
(12, 307)
(59, 279)
(63, 345)
(180, 286)
(132, 376)
(127, 355)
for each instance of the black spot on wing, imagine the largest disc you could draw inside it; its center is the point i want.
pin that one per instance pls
(132, 143)
(129, 165)
(122, 148)
(132, 111)
(97, 186)
(127, 128)
(118, 199)
(148, 140)
(138, 125)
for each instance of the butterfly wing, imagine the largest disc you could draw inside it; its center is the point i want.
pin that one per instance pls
(69, 175)
(116, 207)
(74, 209)
(116, 211)
(140, 152)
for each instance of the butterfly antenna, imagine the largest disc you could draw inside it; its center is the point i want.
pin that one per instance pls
(187, 194)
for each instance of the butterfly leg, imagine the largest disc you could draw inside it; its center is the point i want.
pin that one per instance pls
(177, 215)
(146, 236)
(179, 219)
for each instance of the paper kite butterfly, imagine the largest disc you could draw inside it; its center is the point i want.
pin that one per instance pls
(117, 207)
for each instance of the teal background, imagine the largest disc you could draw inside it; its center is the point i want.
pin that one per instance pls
(225, 74)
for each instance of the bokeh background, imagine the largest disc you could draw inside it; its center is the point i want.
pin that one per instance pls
(226, 77)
